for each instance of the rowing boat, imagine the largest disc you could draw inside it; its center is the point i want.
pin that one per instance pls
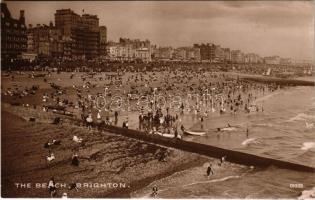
(201, 133)
(167, 135)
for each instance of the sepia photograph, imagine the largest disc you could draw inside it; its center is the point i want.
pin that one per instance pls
(158, 99)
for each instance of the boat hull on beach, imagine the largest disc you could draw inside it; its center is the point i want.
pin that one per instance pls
(199, 133)
(167, 135)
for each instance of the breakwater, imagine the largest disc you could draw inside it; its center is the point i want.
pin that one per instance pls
(280, 81)
(208, 150)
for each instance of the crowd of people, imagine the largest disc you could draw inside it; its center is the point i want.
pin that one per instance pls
(152, 99)
(69, 65)
(169, 94)
(158, 98)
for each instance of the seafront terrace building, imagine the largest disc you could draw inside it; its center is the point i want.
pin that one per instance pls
(272, 60)
(218, 54)
(163, 53)
(43, 40)
(207, 51)
(87, 37)
(129, 50)
(227, 54)
(237, 56)
(103, 42)
(13, 34)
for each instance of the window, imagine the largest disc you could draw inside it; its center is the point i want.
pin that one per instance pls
(7, 23)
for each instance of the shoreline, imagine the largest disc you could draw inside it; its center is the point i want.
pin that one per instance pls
(147, 181)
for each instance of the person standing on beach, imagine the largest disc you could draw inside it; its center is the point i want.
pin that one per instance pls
(201, 122)
(182, 108)
(127, 123)
(222, 160)
(209, 170)
(75, 160)
(154, 191)
(116, 117)
(176, 133)
(99, 117)
(52, 187)
(89, 121)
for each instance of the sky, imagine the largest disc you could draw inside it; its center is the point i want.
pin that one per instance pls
(284, 28)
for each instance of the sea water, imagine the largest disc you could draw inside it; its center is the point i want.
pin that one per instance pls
(284, 130)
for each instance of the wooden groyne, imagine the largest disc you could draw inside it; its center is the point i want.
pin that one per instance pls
(208, 150)
(281, 81)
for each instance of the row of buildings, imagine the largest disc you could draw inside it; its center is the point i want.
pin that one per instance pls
(206, 53)
(178, 54)
(72, 37)
(214, 54)
(75, 36)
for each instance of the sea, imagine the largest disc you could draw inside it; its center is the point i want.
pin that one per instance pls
(285, 130)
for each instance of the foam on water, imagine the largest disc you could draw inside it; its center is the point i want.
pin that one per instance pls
(301, 117)
(229, 129)
(309, 125)
(308, 194)
(250, 141)
(265, 97)
(195, 176)
(308, 145)
(148, 195)
(212, 181)
(264, 124)
(252, 196)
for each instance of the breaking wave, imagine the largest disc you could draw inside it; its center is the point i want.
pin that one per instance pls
(301, 117)
(308, 145)
(148, 195)
(307, 194)
(212, 181)
(250, 141)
